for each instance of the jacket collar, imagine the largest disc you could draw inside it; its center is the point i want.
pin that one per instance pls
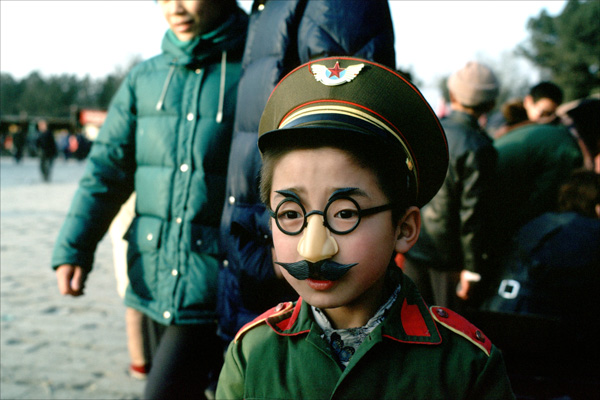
(409, 320)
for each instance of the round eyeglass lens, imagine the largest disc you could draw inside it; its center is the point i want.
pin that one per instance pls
(342, 215)
(289, 216)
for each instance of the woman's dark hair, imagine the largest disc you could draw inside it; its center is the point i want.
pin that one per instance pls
(391, 172)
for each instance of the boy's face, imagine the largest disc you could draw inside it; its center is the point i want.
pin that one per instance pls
(313, 175)
(190, 18)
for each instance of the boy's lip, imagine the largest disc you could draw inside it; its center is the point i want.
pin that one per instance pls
(319, 284)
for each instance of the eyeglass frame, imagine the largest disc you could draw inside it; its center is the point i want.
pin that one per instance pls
(360, 212)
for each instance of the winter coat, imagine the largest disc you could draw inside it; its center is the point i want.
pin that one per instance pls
(415, 353)
(533, 162)
(281, 36)
(456, 221)
(167, 135)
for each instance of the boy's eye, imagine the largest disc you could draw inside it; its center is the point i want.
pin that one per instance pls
(346, 214)
(289, 214)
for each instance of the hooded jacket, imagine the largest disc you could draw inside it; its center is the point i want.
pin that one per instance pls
(281, 36)
(166, 136)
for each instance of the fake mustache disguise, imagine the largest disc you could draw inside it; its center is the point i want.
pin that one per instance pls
(326, 270)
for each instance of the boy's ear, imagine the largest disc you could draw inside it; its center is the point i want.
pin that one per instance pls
(407, 230)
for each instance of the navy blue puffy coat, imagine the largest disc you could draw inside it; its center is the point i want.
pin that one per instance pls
(281, 36)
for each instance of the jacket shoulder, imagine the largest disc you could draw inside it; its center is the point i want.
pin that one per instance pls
(462, 327)
(280, 309)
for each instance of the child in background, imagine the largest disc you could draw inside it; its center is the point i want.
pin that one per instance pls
(350, 151)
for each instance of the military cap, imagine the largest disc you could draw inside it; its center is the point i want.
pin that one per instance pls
(356, 96)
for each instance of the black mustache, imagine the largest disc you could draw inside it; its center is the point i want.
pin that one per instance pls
(326, 270)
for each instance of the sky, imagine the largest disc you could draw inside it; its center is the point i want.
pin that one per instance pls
(97, 37)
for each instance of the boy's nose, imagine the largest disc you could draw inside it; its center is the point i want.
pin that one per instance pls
(317, 243)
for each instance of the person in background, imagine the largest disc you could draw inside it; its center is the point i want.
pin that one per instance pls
(539, 106)
(166, 137)
(47, 149)
(452, 247)
(19, 140)
(350, 151)
(533, 162)
(549, 278)
(514, 116)
(281, 36)
(542, 101)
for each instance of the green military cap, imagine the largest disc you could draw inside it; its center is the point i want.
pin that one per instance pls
(356, 96)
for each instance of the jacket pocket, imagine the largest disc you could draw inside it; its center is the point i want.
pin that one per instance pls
(144, 233)
(143, 237)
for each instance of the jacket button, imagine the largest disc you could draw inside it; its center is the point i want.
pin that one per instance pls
(479, 336)
(197, 71)
(190, 117)
(184, 167)
(166, 315)
(179, 220)
(225, 263)
(199, 242)
(150, 236)
(442, 313)
(231, 199)
(174, 272)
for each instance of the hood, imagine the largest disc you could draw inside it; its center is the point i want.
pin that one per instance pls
(226, 41)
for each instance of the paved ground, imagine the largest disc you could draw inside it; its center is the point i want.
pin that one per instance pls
(54, 347)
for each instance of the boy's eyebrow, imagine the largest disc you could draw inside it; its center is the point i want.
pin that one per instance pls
(288, 193)
(347, 192)
(350, 191)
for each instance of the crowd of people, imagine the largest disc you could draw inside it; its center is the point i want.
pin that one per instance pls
(218, 155)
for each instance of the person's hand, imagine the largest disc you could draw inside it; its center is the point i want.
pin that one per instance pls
(464, 286)
(71, 279)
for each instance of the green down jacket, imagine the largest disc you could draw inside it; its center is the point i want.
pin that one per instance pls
(167, 136)
(415, 353)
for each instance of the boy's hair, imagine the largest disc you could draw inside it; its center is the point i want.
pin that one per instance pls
(546, 90)
(581, 193)
(391, 174)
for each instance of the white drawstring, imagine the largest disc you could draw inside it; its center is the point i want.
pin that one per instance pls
(219, 118)
(161, 100)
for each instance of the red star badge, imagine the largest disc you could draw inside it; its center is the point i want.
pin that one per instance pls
(335, 71)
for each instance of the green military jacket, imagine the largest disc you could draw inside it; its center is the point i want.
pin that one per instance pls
(416, 353)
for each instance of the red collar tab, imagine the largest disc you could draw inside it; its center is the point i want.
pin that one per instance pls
(412, 320)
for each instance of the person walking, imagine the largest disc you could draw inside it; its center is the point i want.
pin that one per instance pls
(166, 136)
(47, 149)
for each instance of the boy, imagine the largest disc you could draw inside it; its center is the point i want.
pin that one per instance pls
(350, 150)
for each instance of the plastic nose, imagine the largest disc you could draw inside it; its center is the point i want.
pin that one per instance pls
(316, 243)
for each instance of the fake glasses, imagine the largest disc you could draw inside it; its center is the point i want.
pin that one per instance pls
(341, 215)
